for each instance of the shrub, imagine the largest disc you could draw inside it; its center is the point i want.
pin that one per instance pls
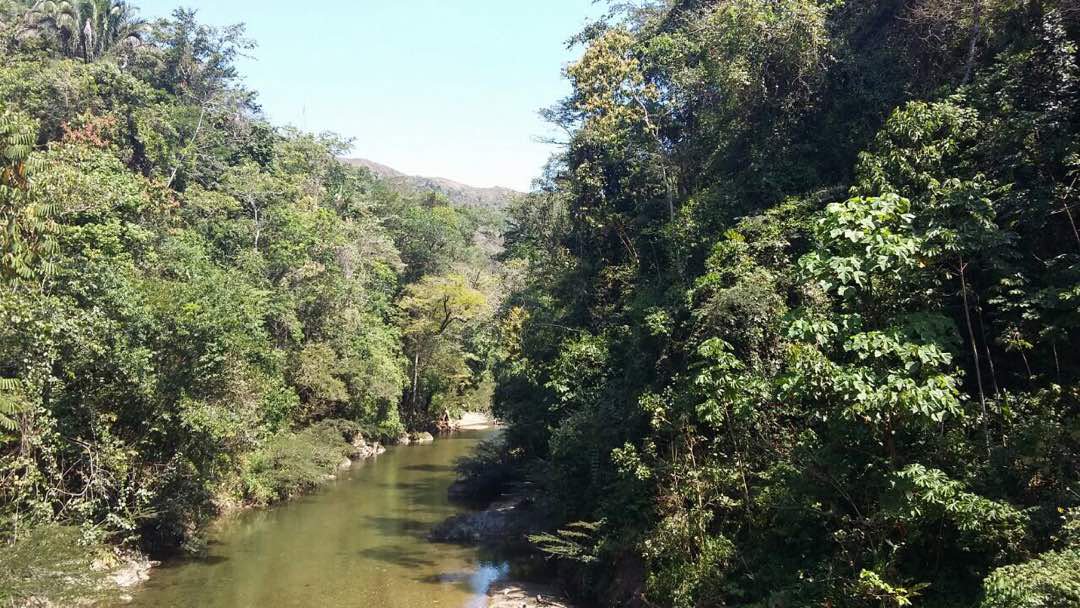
(292, 463)
(485, 474)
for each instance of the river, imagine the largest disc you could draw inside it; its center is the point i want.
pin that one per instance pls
(358, 542)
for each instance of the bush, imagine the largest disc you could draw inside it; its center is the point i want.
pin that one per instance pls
(485, 474)
(291, 463)
(1051, 580)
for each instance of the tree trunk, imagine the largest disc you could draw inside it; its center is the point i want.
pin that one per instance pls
(191, 144)
(1068, 212)
(416, 378)
(975, 355)
(986, 347)
(976, 30)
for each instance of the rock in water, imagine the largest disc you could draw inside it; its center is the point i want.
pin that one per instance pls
(422, 438)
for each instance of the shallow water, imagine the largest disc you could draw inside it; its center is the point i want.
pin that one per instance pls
(359, 542)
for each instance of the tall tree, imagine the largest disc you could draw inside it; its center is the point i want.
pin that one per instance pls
(86, 29)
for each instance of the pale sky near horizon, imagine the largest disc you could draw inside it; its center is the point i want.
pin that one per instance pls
(441, 88)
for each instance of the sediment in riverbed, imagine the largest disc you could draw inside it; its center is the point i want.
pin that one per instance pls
(503, 525)
(516, 594)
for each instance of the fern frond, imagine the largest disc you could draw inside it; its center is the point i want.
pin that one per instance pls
(576, 542)
(11, 403)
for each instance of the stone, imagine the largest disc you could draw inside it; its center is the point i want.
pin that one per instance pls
(422, 438)
(134, 569)
(362, 449)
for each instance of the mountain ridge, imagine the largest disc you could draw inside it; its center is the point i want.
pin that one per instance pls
(495, 197)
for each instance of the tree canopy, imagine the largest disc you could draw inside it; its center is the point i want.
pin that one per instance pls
(799, 304)
(199, 308)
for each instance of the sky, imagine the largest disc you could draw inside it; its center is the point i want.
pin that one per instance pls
(440, 88)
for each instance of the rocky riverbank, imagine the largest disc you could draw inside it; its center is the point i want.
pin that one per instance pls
(516, 594)
(507, 521)
(128, 569)
(504, 525)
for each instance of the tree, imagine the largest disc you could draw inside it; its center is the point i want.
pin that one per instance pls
(26, 222)
(87, 29)
(773, 399)
(440, 311)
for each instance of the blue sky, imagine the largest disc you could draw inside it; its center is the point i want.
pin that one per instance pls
(447, 88)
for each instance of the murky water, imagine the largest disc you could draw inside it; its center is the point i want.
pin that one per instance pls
(359, 542)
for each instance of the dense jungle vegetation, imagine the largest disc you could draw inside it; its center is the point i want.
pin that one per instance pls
(197, 308)
(791, 320)
(800, 320)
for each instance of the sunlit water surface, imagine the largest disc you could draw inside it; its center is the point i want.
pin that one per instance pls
(359, 542)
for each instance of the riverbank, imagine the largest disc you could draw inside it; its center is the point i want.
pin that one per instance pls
(517, 594)
(504, 515)
(361, 541)
(474, 421)
(503, 527)
(290, 467)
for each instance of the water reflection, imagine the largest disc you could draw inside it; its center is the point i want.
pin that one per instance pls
(482, 580)
(358, 543)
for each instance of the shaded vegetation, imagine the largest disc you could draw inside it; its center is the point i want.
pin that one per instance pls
(800, 311)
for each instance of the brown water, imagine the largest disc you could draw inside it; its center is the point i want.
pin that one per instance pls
(359, 542)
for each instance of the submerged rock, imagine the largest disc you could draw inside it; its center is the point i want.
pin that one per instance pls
(133, 568)
(469, 528)
(506, 523)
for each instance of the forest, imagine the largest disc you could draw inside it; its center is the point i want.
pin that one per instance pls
(790, 320)
(199, 309)
(800, 321)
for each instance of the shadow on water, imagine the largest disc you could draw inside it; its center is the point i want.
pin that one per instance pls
(430, 468)
(399, 526)
(359, 541)
(478, 580)
(198, 559)
(398, 556)
(428, 492)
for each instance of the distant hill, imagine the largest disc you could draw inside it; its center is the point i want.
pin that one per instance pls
(458, 193)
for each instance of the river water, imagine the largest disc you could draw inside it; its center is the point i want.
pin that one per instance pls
(358, 542)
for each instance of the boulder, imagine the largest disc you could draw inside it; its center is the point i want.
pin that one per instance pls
(133, 568)
(346, 463)
(471, 528)
(367, 450)
(403, 440)
(422, 438)
(505, 523)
